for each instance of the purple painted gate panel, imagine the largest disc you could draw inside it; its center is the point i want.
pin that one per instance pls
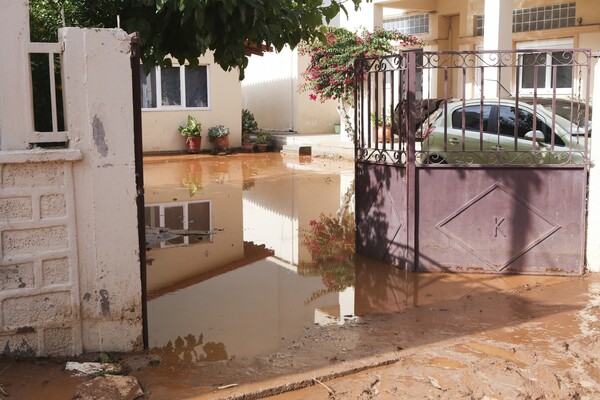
(450, 179)
(501, 220)
(381, 213)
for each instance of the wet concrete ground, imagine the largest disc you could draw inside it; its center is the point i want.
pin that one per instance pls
(257, 305)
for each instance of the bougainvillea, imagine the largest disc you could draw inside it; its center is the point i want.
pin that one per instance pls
(330, 73)
(330, 242)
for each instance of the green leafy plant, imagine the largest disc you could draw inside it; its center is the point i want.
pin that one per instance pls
(249, 124)
(264, 137)
(192, 129)
(217, 131)
(331, 75)
(378, 120)
(187, 29)
(246, 137)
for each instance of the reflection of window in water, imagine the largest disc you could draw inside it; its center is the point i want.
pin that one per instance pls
(193, 216)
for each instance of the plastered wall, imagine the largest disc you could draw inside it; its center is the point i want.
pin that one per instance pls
(69, 260)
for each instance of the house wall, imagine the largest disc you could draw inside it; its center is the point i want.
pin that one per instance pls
(452, 24)
(69, 262)
(271, 92)
(225, 99)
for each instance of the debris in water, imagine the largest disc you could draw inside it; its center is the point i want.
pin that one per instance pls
(89, 368)
(227, 386)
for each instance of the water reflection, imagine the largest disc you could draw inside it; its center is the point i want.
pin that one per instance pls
(330, 242)
(280, 258)
(239, 292)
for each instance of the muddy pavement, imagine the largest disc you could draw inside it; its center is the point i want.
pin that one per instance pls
(270, 301)
(435, 336)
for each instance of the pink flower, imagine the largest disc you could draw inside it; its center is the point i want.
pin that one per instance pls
(313, 96)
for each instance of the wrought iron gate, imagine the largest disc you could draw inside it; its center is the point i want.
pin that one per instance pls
(464, 163)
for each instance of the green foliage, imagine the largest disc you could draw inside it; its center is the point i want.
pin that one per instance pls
(217, 131)
(45, 19)
(249, 124)
(330, 73)
(186, 29)
(378, 120)
(264, 137)
(192, 129)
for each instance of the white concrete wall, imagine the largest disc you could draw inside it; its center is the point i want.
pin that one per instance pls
(69, 262)
(14, 76)
(271, 91)
(100, 122)
(593, 230)
(225, 108)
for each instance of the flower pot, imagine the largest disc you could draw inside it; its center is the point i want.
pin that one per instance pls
(248, 147)
(193, 144)
(383, 133)
(221, 142)
(262, 147)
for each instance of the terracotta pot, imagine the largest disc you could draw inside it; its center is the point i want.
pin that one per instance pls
(383, 134)
(221, 142)
(193, 144)
(248, 147)
(262, 147)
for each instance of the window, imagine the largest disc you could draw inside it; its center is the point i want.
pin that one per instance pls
(525, 124)
(195, 216)
(411, 24)
(537, 18)
(473, 117)
(175, 87)
(545, 71)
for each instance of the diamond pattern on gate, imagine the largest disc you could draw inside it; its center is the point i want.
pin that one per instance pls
(497, 226)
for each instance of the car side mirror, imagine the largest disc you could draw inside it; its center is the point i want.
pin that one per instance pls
(539, 136)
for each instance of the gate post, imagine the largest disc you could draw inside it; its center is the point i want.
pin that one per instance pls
(411, 217)
(593, 229)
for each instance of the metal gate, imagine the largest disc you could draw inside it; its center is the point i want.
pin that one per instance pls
(464, 162)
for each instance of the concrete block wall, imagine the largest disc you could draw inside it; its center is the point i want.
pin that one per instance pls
(69, 255)
(39, 279)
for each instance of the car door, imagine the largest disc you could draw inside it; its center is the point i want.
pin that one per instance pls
(519, 140)
(468, 137)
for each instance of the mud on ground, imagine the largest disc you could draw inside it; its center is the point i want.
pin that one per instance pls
(441, 337)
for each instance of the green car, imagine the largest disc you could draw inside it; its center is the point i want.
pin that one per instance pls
(488, 131)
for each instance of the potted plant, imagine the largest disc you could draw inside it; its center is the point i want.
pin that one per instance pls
(383, 128)
(249, 124)
(249, 129)
(219, 136)
(192, 133)
(247, 143)
(263, 140)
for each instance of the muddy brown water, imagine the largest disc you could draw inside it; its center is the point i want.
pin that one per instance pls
(242, 306)
(257, 305)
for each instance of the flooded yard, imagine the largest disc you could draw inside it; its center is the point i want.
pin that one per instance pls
(273, 294)
(265, 298)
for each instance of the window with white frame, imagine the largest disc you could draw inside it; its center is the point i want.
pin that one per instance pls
(546, 70)
(175, 87)
(414, 24)
(193, 216)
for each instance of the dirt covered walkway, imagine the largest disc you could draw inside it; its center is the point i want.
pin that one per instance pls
(423, 336)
